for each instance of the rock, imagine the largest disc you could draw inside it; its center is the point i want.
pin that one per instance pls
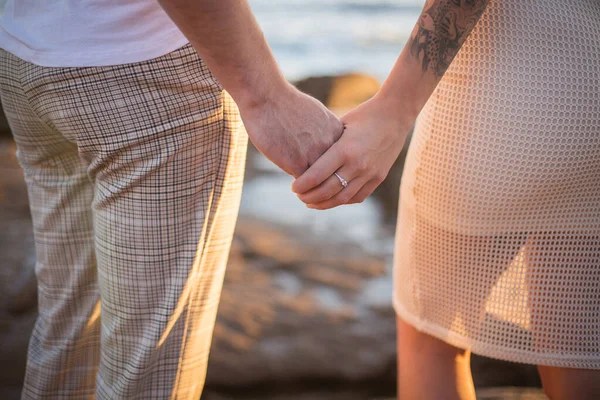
(342, 92)
(276, 392)
(511, 393)
(287, 299)
(490, 372)
(18, 304)
(507, 393)
(500, 393)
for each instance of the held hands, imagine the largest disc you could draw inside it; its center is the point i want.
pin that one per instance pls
(374, 135)
(303, 138)
(291, 129)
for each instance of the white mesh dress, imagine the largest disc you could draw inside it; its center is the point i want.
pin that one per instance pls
(498, 241)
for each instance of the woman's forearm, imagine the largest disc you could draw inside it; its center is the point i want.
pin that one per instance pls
(443, 27)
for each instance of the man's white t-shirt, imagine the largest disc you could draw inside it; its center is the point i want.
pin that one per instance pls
(83, 33)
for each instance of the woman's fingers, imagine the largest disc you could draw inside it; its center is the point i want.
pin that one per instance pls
(365, 191)
(322, 169)
(329, 188)
(342, 197)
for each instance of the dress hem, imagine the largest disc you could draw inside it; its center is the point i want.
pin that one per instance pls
(497, 352)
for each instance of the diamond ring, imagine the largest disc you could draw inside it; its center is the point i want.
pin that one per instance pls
(342, 180)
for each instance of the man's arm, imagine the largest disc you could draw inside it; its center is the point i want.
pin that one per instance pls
(230, 42)
(288, 127)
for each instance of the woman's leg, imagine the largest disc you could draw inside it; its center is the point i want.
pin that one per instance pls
(444, 282)
(429, 368)
(562, 270)
(570, 383)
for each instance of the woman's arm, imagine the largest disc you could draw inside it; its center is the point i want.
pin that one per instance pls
(443, 27)
(376, 130)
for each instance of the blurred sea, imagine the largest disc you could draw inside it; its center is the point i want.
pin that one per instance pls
(322, 37)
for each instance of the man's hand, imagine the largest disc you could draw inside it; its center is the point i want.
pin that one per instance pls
(374, 136)
(291, 129)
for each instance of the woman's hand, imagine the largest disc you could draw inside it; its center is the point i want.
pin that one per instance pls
(374, 135)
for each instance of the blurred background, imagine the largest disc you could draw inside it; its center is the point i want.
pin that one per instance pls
(306, 307)
(323, 37)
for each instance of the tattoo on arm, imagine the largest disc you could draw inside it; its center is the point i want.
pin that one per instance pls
(442, 29)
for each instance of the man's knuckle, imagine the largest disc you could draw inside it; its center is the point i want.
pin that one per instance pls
(336, 125)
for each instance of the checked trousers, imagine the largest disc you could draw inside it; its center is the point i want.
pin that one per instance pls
(134, 175)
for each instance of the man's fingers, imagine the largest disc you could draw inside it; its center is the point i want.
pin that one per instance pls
(322, 169)
(342, 197)
(329, 188)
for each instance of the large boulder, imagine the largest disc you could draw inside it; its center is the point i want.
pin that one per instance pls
(298, 309)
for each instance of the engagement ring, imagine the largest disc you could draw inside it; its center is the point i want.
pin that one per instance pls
(342, 180)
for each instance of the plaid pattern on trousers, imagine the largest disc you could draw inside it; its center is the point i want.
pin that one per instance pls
(134, 175)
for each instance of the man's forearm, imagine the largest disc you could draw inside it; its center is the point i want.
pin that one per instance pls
(229, 40)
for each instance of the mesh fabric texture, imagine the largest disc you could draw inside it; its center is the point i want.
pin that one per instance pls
(498, 240)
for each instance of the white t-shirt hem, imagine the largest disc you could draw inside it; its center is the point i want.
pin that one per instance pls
(170, 42)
